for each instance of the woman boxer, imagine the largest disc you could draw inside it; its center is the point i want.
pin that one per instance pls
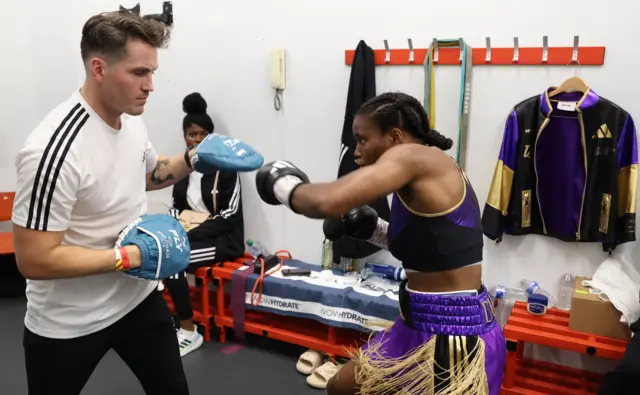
(447, 339)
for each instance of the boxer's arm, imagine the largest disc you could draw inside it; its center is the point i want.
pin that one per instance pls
(396, 168)
(41, 256)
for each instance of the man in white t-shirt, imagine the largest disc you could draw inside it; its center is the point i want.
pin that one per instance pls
(82, 177)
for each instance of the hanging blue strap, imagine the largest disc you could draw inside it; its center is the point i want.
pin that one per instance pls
(465, 92)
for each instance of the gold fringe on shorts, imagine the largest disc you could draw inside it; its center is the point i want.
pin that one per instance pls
(415, 372)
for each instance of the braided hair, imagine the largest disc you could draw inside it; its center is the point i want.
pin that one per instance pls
(196, 108)
(399, 110)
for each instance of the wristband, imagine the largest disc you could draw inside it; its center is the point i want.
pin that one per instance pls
(187, 159)
(284, 187)
(122, 259)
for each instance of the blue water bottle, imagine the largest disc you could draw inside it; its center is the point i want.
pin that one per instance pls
(387, 271)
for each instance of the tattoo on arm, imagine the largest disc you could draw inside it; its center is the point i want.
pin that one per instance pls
(161, 173)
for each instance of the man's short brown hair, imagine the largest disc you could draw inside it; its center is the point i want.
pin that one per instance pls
(107, 34)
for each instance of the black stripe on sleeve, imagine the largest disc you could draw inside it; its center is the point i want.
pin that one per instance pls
(47, 208)
(40, 209)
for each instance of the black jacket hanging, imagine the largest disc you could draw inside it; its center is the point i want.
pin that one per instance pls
(362, 87)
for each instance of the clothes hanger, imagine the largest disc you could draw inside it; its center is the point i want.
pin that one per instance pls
(571, 84)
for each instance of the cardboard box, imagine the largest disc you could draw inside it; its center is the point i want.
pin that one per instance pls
(590, 314)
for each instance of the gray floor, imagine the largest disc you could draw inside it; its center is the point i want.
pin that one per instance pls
(261, 368)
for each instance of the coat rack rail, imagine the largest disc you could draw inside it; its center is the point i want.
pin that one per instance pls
(586, 56)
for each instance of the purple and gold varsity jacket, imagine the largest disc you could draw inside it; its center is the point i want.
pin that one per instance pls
(568, 168)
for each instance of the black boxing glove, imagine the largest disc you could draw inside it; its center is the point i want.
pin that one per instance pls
(360, 223)
(277, 180)
(334, 229)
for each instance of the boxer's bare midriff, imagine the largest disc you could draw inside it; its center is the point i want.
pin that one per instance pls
(462, 279)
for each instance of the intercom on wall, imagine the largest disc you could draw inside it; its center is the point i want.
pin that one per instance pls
(278, 68)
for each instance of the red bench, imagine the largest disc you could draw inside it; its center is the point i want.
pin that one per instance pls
(6, 206)
(205, 302)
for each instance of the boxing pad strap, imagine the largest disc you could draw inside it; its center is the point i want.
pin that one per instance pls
(187, 159)
(150, 244)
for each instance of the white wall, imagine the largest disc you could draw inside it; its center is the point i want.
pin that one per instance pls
(212, 40)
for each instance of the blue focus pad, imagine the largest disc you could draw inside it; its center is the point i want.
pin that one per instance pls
(163, 243)
(218, 152)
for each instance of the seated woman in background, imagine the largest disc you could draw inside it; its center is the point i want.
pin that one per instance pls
(210, 209)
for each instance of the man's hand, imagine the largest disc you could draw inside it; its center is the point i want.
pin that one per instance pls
(135, 257)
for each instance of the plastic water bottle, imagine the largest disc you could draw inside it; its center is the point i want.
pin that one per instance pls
(503, 292)
(503, 310)
(505, 298)
(386, 271)
(345, 264)
(257, 249)
(565, 291)
(327, 254)
(532, 287)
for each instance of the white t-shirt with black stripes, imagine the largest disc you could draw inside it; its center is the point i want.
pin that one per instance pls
(77, 174)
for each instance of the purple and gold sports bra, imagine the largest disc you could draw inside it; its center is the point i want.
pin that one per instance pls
(437, 242)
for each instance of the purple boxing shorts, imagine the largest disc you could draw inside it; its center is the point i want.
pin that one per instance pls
(443, 343)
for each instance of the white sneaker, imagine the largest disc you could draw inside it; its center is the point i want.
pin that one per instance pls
(188, 341)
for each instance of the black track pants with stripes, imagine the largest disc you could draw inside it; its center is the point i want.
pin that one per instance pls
(201, 255)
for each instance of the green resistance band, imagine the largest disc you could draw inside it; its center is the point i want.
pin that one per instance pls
(466, 60)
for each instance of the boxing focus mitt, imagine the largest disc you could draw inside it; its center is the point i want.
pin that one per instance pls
(218, 152)
(163, 243)
(277, 180)
(360, 223)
